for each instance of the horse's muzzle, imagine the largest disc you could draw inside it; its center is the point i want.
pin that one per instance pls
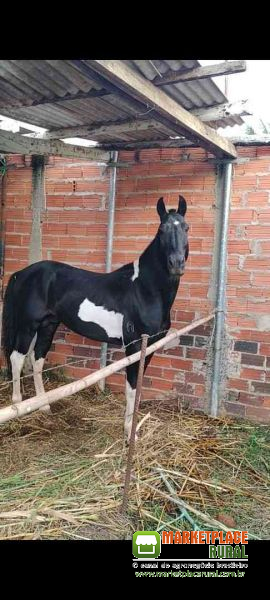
(177, 272)
(176, 265)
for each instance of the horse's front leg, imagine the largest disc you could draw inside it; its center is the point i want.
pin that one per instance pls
(131, 384)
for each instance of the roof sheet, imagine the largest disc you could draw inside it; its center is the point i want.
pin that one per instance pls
(38, 92)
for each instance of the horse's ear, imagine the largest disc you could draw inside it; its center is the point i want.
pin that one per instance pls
(182, 206)
(161, 208)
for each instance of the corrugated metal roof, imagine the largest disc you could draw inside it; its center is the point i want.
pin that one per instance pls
(40, 92)
(191, 94)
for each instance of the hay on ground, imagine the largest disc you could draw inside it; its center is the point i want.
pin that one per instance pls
(62, 475)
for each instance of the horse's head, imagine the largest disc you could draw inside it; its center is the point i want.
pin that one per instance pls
(173, 236)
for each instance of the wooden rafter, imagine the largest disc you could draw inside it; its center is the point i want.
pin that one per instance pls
(176, 117)
(213, 113)
(225, 68)
(241, 140)
(112, 128)
(143, 144)
(16, 143)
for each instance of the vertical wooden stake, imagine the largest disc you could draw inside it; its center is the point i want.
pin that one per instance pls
(134, 423)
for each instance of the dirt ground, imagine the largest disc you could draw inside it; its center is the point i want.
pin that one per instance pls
(62, 475)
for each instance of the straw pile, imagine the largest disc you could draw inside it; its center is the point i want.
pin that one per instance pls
(62, 475)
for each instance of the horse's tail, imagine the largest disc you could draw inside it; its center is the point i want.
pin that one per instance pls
(9, 321)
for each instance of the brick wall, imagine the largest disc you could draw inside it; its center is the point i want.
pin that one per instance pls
(178, 372)
(74, 231)
(248, 289)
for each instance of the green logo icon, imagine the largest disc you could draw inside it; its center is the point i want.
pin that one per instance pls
(146, 544)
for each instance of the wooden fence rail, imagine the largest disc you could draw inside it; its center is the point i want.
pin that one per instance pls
(27, 406)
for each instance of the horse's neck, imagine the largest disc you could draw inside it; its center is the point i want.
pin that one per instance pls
(155, 277)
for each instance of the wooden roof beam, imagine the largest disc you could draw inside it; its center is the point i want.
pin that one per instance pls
(225, 68)
(213, 113)
(112, 128)
(169, 111)
(11, 143)
(241, 140)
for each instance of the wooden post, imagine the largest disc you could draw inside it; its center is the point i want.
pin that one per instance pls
(134, 423)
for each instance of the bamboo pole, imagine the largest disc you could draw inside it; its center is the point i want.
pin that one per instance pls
(20, 409)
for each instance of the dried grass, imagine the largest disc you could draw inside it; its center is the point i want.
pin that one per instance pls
(62, 475)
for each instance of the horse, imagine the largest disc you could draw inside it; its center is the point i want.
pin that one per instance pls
(116, 307)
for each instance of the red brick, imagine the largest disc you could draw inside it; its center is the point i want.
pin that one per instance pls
(59, 186)
(191, 377)
(162, 384)
(263, 182)
(249, 291)
(13, 239)
(181, 364)
(161, 361)
(248, 322)
(257, 200)
(246, 182)
(256, 264)
(265, 349)
(66, 349)
(90, 170)
(265, 247)
(252, 374)
(238, 384)
(236, 305)
(56, 358)
(257, 232)
(258, 307)
(238, 247)
(250, 399)
(14, 265)
(238, 278)
(263, 216)
(241, 215)
(200, 260)
(155, 371)
(261, 280)
(235, 408)
(251, 359)
(258, 413)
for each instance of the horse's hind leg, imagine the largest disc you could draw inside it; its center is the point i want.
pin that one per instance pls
(43, 343)
(17, 358)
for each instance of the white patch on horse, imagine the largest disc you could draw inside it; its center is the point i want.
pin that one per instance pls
(130, 401)
(109, 320)
(136, 270)
(176, 223)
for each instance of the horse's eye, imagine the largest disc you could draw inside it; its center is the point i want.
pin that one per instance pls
(186, 227)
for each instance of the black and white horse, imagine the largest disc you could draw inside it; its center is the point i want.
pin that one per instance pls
(114, 307)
